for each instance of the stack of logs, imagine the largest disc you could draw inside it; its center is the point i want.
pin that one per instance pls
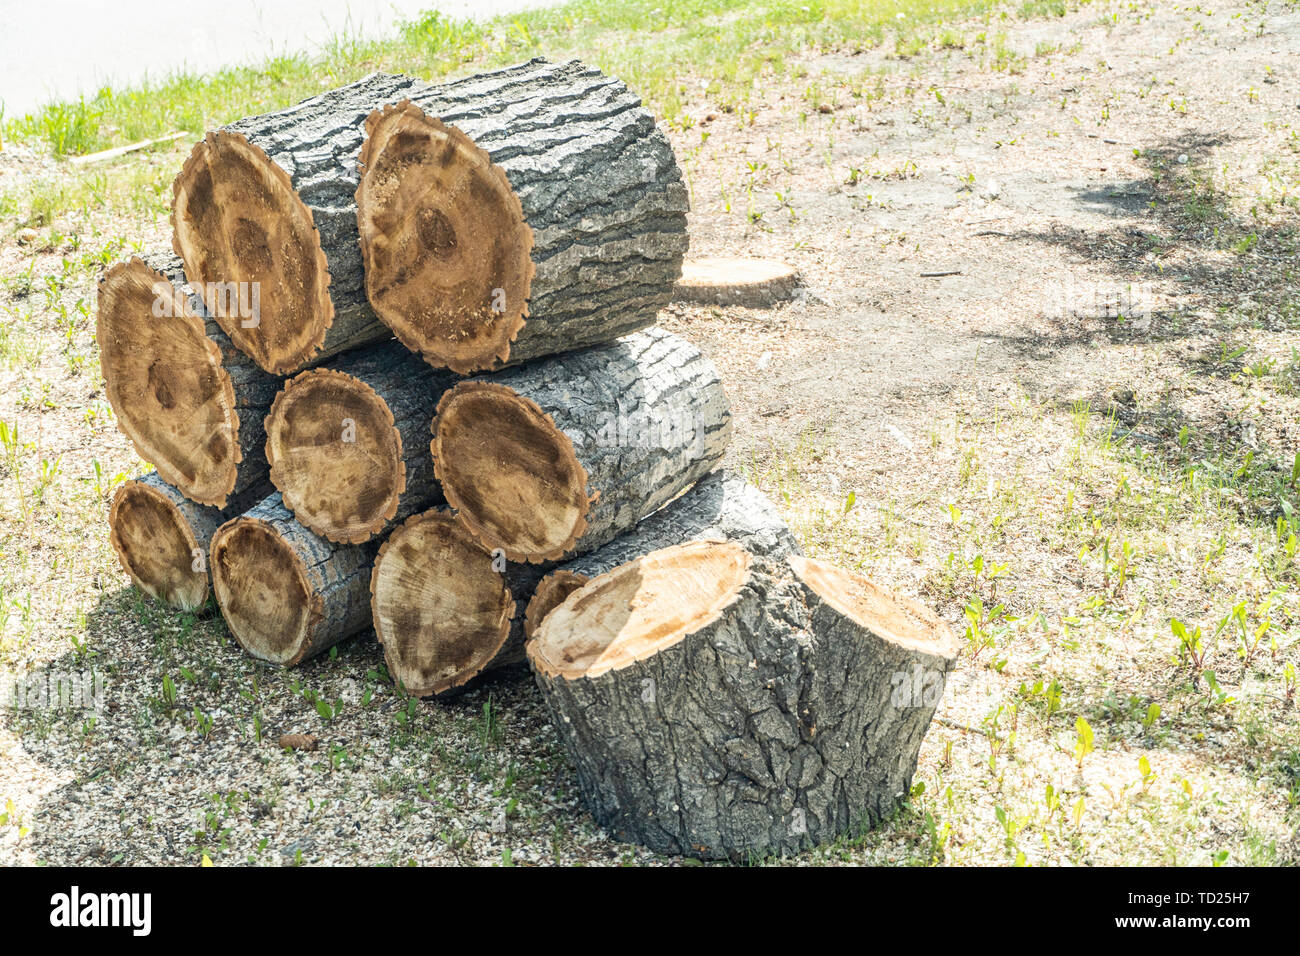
(400, 371)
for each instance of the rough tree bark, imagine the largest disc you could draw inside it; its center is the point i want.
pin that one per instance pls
(721, 507)
(190, 402)
(719, 705)
(270, 200)
(347, 444)
(560, 456)
(288, 594)
(161, 538)
(517, 214)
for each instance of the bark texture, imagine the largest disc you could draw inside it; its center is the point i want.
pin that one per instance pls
(286, 593)
(789, 719)
(721, 507)
(270, 199)
(191, 403)
(599, 190)
(560, 456)
(348, 445)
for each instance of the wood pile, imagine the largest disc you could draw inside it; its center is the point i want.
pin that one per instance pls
(400, 371)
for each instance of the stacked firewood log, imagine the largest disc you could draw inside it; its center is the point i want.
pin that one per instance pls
(400, 372)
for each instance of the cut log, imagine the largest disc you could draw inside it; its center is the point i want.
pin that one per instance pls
(348, 444)
(445, 608)
(190, 402)
(266, 204)
(558, 457)
(749, 282)
(288, 594)
(721, 507)
(719, 705)
(518, 214)
(161, 538)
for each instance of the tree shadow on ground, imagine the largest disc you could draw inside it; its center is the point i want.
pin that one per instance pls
(1175, 264)
(156, 693)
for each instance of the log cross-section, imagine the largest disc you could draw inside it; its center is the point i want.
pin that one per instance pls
(559, 456)
(347, 444)
(190, 402)
(445, 608)
(518, 213)
(288, 594)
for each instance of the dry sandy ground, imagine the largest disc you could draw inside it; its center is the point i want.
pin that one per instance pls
(1030, 262)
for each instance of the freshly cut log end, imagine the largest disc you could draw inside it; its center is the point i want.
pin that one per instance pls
(445, 245)
(161, 539)
(639, 609)
(890, 618)
(335, 455)
(510, 472)
(286, 593)
(165, 380)
(347, 443)
(718, 705)
(240, 227)
(748, 282)
(441, 609)
(722, 506)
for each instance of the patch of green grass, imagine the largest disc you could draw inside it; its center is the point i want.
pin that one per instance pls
(732, 42)
(1042, 8)
(69, 127)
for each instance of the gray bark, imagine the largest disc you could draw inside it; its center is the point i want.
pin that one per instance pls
(780, 726)
(647, 416)
(600, 189)
(722, 506)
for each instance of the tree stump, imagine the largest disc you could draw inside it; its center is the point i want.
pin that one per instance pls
(189, 401)
(161, 539)
(721, 507)
(750, 282)
(518, 214)
(560, 456)
(267, 204)
(719, 705)
(347, 444)
(288, 594)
